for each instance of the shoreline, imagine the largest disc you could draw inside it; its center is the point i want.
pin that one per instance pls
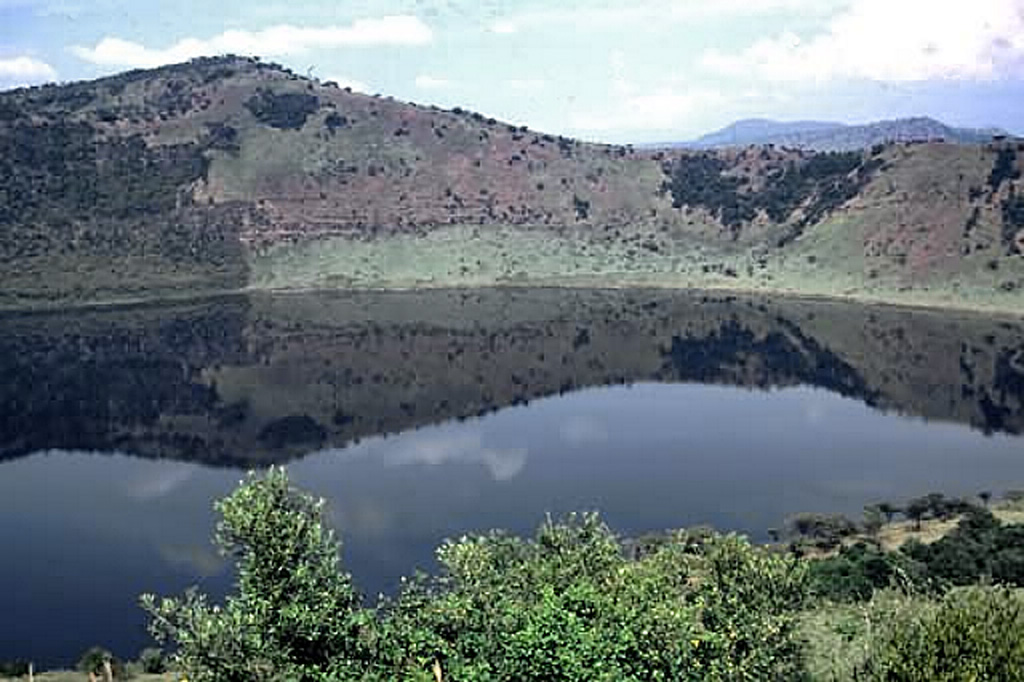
(914, 304)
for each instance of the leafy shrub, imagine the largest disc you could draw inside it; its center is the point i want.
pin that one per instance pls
(974, 634)
(820, 185)
(581, 207)
(857, 571)
(981, 547)
(1013, 220)
(95, 660)
(295, 615)
(14, 668)
(334, 120)
(566, 605)
(1004, 168)
(825, 531)
(152, 661)
(285, 110)
(569, 606)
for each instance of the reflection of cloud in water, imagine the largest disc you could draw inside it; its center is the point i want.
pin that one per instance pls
(583, 430)
(815, 404)
(437, 448)
(158, 481)
(366, 516)
(201, 561)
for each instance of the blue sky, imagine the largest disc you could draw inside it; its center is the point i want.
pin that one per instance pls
(637, 71)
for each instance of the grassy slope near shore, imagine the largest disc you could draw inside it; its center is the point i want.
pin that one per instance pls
(467, 257)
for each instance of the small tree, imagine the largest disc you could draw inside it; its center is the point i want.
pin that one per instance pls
(889, 510)
(916, 510)
(295, 615)
(873, 520)
(152, 661)
(99, 663)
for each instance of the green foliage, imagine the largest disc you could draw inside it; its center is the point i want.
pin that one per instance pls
(1004, 168)
(698, 181)
(14, 668)
(152, 661)
(974, 634)
(818, 185)
(95, 659)
(824, 531)
(857, 571)
(569, 606)
(57, 172)
(581, 206)
(1013, 220)
(295, 614)
(566, 605)
(981, 547)
(284, 110)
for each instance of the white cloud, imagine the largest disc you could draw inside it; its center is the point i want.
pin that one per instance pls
(890, 41)
(504, 27)
(436, 449)
(613, 15)
(343, 82)
(659, 110)
(25, 70)
(526, 85)
(273, 42)
(159, 481)
(440, 446)
(426, 82)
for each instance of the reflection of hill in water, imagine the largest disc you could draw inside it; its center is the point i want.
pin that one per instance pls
(245, 381)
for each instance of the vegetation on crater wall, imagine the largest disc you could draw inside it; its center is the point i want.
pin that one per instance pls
(818, 185)
(282, 110)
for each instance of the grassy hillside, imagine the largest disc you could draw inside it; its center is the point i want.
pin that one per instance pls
(229, 174)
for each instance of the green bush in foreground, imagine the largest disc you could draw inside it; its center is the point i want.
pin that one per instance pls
(569, 604)
(974, 633)
(295, 616)
(566, 605)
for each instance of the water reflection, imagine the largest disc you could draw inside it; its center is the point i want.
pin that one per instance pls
(247, 381)
(422, 416)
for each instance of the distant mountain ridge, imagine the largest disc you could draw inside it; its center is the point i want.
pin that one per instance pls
(832, 136)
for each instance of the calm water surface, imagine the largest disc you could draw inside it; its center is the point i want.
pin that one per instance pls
(422, 416)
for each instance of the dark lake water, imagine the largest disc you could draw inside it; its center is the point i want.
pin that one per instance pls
(422, 416)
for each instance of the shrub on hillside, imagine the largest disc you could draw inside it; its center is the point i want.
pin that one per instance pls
(980, 548)
(285, 110)
(975, 633)
(857, 571)
(96, 660)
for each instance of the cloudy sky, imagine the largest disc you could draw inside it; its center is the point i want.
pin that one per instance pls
(643, 70)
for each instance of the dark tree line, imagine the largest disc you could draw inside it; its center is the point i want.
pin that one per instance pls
(820, 184)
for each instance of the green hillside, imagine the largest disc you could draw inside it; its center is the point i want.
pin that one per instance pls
(229, 174)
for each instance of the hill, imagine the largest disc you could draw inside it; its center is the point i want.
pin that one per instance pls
(228, 174)
(825, 136)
